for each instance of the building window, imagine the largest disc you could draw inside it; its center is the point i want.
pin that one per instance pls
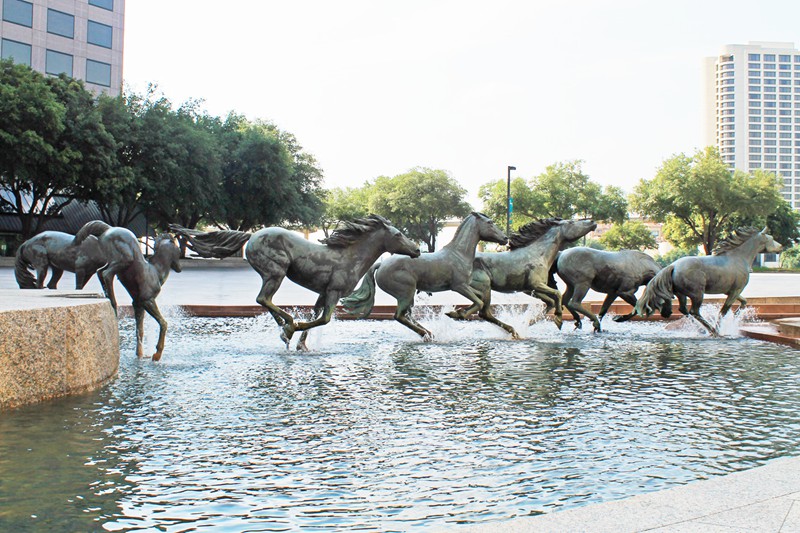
(98, 73)
(58, 63)
(99, 34)
(105, 4)
(753, 57)
(784, 58)
(18, 12)
(60, 23)
(18, 52)
(769, 57)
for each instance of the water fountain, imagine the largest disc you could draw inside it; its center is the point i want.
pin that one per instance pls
(379, 431)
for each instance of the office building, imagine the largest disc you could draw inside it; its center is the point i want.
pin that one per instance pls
(81, 38)
(752, 98)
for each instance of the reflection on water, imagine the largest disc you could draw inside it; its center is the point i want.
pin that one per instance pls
(375, 430)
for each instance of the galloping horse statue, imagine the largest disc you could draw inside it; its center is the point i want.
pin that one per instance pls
(616, 274)
(447, 269)
(726, 271)
(55, 250)
(525, 267)
(331, 271)
(142, 279)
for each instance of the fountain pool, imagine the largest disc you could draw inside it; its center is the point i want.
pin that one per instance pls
(375, 430)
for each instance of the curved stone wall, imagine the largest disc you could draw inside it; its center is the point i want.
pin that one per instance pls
(54, 343)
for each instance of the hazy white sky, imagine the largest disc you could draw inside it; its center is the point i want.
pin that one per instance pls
(378, 87)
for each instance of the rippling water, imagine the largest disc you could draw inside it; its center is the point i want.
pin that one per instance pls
(374, 430)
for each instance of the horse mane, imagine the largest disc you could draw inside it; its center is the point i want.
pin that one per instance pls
(353, 230)
(532, 231)
(733, 241)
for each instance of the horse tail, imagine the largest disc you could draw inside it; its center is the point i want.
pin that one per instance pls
(362, 300)
(25, 279)
(218, 244)
(657, 291)
(95, 227)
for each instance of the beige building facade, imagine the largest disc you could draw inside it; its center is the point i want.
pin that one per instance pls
(81, 38)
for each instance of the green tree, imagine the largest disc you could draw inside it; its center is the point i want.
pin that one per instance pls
(267, 179)
(418, 202)
(630, 235)
(562, 190)
(791, 258)
(53, 145)
(674, 254)
(343, 204)
(702, 194)
(783, 224)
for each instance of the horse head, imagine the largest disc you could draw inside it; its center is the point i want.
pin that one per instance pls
(488, 231)
(572, 230)
(396, 243)
(770, 245)
(167, 252)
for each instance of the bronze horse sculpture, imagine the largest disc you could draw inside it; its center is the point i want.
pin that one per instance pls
(447, 269)
(525, 267)
(616, 274)
(56, 251)
(141, 278)
(726, 271)
(331, 269)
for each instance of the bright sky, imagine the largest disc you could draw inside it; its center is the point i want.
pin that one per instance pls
(376, 87)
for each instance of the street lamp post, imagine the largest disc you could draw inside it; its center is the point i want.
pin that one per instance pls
(508, 201)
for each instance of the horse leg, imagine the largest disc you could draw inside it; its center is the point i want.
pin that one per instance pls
(486, 314)
(549, 296)
(55, 275)
(734, 296)
(574, 305)
(319, 308)
(694, 312)
(269, 286)
(151, 307)
(107, 282)
(479, 285)
(566, 298)
(138, 313)
(41, 274)
(606, 305)
(403, 315)
(631, 300)
(682, 304)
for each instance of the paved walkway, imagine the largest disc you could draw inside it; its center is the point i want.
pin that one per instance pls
(765, 499)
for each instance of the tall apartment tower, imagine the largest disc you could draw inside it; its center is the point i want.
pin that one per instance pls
(81, 38)
(752, 96)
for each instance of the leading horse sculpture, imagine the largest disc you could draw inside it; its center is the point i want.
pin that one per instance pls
(142, 279)
(616, 274)
(525, 267)
(447, 269)
(56, 250)
(726, 271)
(331, 271)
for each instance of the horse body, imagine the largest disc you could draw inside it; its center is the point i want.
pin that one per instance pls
(727, 272)
(55, 250)
(447, 269)
(331, 269)
(525, 267)
(616, 274)
(142, 279)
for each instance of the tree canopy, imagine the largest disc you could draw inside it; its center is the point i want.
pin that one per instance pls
(701, 197)
(418, 202)
(562, 190)
(630, 235)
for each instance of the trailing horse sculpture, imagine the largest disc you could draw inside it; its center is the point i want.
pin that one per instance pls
(525, 267)
(447, 269)
(331, 271)
(726, 271)
(55, 250)
(616, 274)
(142, 279)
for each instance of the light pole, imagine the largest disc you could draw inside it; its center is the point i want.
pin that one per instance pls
(508, 201)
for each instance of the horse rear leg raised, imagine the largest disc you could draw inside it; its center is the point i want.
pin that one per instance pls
(574, 305)
(152, 309)
(323, 311)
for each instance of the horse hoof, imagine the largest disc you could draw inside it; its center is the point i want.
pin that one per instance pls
(301, 347)
(515, 336)
(428, 337)
(156, 356)
(578, 325)
(621, 318)
(559, 321)
(454, 315)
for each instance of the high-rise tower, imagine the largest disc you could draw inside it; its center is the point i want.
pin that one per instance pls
(81, 38)
(753, 110)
